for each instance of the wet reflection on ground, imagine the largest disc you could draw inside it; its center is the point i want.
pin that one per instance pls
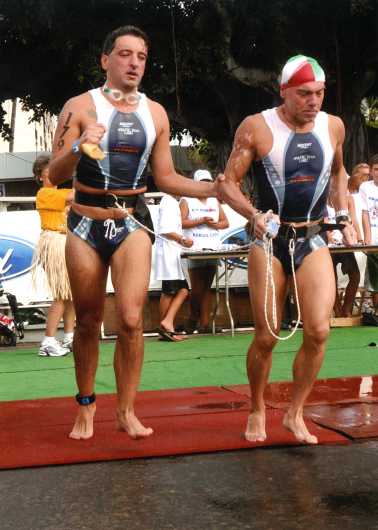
(329, 487)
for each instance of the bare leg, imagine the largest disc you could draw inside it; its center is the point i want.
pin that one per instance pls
(176, 301)
(350, 293)
(316, 287)
(337, 306)
(196, 292)
(130, 266)
(69, 316)
(208, 276)
(259, 359)
(164, 303)
(54, 316)
(201, 279)
(87, 275)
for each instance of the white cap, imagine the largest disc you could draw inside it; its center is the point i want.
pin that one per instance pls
(202, 174)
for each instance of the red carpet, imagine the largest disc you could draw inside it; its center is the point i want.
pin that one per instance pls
(362, 389)
(34, 433)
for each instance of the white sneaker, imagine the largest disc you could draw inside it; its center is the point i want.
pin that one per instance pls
(67, 343)
(52, 349)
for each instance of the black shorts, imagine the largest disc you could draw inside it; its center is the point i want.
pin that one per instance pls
(106, 236)
(171, 287)
(348, 262)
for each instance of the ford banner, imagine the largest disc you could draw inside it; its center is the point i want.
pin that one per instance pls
(19, 234)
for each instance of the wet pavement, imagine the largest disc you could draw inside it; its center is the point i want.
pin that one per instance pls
(285, 488)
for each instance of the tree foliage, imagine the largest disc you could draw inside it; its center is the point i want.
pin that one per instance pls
(212, 62)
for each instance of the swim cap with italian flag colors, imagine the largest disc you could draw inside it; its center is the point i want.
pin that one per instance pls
(301, 69)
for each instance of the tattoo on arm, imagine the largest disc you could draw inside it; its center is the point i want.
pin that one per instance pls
(65, 129)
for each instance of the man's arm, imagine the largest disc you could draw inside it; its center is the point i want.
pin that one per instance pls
(69, 129)
(164, 173)
(241, 157)
(339, 179)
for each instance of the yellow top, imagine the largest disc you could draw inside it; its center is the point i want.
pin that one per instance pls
(51, 206)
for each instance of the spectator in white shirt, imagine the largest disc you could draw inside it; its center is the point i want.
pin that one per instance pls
(202, 219)
(343, 307)
(369, 196)
(168, 267)
(360, 174)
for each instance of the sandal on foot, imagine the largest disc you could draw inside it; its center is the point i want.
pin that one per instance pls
(169, 336)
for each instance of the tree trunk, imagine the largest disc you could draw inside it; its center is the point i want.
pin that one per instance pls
(13, 124)
(356, 147)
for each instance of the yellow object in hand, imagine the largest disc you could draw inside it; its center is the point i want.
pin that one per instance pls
(93, 151)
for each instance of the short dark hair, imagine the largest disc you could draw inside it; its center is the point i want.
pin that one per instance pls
(41, 162)
(120, 32)
(373, 160)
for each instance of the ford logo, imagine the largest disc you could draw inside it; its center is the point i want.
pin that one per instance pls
(237, 237)
(16, 257)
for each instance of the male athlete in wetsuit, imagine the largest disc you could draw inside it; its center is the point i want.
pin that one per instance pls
(131, 130)
(296, 149)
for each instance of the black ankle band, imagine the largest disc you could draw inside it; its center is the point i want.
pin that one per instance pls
(85, 400)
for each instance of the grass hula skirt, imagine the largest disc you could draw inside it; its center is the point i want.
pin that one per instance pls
(50, 255)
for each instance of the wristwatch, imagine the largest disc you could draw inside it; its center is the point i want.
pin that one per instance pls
(76, 147)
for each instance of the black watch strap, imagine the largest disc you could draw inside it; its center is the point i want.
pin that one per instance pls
(85, 400)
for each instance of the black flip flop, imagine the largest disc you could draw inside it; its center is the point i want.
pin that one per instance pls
(168, 335)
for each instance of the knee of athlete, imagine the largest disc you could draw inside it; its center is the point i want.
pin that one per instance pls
(131, 322)
(264, 343)
(88, 322)
(317, 334)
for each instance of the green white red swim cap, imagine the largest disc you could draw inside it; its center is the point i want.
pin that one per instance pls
(301, 69)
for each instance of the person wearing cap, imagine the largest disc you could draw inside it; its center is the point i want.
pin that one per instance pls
(296, 150)
(201, 220)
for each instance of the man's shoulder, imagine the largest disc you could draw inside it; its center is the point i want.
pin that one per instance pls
(336, 127)
(254, 119)
(334, 121)
(155, 106)
(252, 124)
(77, 102)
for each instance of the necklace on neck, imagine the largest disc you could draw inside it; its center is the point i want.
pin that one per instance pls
(118, 95)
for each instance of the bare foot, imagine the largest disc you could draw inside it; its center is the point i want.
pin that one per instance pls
(128, 422)
(296, 425)
(83, 427)
(255, 430)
